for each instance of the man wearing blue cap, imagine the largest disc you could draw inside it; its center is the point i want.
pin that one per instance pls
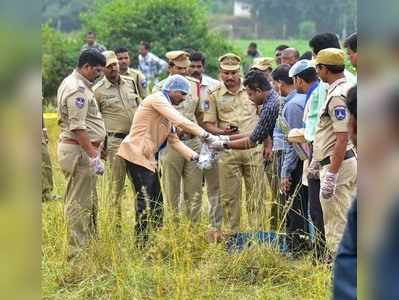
(151, 127)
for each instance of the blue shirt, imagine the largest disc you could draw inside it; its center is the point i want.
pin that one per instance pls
(292, 114)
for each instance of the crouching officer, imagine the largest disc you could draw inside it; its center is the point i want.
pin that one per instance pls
(117, 100)
(81, 137)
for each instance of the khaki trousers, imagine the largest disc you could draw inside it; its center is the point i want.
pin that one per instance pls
(214, 196)
(175, 169)
(80, 195)
(235, 166)
(335, 208)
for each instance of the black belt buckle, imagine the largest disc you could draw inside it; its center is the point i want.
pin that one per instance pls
(348, 154)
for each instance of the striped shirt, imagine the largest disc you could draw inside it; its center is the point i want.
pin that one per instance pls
(267, 119)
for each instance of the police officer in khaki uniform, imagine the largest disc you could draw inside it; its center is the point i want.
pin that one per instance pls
(332, 149)
(81, 137)
(176, 171)
(229, 108)
(138, 77)
(117, 100)
(196, 70)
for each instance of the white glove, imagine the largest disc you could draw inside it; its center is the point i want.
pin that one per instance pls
(313, 169)
(195, 157)
(224, 138)
(217, 145)
(329, 185)
(97, 165)
(209, 138)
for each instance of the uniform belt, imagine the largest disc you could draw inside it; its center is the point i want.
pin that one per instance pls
(348, 154)
(118, 135)
(75, 142)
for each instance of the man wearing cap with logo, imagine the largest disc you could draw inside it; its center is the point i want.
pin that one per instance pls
(264, 64)
(152, 126)
(332, 148)
(124, 67)
(196, 70)
(118, 101)
(230, 110)
(176, 170)
(78, 153)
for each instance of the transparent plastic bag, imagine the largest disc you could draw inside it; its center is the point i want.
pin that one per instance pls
(207, 157)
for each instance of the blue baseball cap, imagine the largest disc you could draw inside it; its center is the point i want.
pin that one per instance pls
(300, 66)
(176, 83)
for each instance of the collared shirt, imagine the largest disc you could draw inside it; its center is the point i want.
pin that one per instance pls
(293, 116)
(207, 85)
(315, 103)
(117, 102)
(139, 80)
(267, 119)
(228, 108)
(151, 66)
(100, 48)
(78, 109)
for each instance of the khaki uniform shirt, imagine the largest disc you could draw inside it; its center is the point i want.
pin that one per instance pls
(152, 125)
(77, 109)
(117, 103)
(334, 117)
(227, 108)
(207, 85)
(139, 81)
(190, 108)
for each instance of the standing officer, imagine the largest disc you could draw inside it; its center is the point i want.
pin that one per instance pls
(332, 148)
(175, 168)
(82, 133)
(124, 68)
(229, 110)
(117, 100)
(196, 70)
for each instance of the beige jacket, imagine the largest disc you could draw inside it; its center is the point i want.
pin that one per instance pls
(152, 125)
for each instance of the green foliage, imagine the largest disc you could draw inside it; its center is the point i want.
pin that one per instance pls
(167, 25)
(58, 59)
(307, 29)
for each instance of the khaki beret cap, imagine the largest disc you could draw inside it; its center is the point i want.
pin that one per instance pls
(179, 58)
(110, 57)
(263, 63)
(330, 56)
(229, 62)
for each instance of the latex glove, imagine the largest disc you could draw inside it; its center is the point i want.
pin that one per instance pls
(314, 169)
(217, 145)
(195, 157)
(97, 165)
(224, 138)
(209, 138)
(285, 185)
(329, 184)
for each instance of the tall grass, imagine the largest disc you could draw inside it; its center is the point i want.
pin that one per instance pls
(178, 263)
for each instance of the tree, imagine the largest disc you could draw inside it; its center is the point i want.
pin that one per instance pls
(167, 25)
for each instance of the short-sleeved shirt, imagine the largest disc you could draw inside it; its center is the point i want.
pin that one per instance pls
(334, 117)
(139, 80)
(117, 103)
(78, 109)
(190, 108)
(207, 85)
(228, 108)
(151, 65)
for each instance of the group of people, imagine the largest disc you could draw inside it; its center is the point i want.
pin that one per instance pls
(279, 130)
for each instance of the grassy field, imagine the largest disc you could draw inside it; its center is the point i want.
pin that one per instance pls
(179, 264)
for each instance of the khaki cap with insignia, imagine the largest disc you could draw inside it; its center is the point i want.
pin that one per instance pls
(263, 63)
(110, 57)
(179, 58)
(330, 56)
(229, 62)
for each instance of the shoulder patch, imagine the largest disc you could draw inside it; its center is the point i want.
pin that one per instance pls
(80, 102)
(340, 112)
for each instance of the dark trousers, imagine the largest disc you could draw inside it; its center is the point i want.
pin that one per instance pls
(149, 201)
(316, 214)
(297, 219)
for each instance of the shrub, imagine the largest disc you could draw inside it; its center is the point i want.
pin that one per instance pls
(59, 57)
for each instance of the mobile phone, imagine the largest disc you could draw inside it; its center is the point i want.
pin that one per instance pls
(233, 127)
